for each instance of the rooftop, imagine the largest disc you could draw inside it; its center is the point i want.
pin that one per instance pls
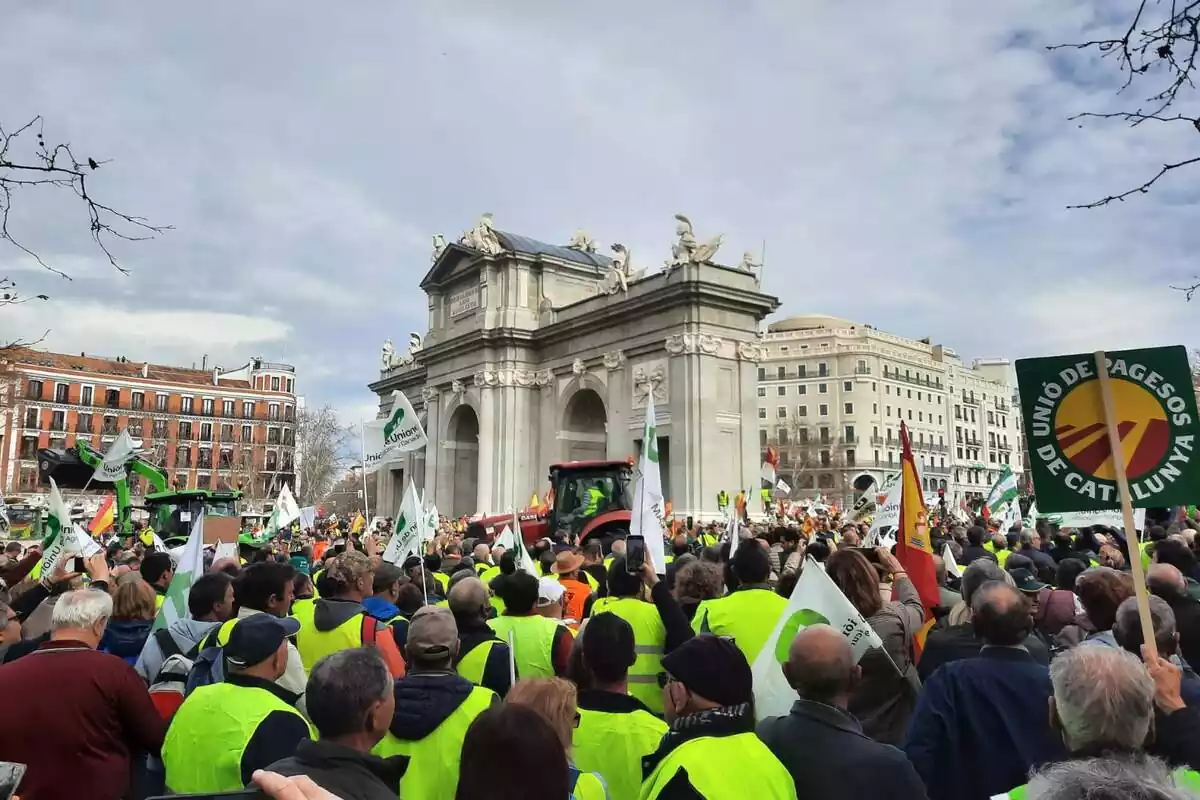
(123, 367)
(523, 244)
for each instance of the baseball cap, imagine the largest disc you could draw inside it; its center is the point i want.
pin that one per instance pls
(549, 591)
(256, 638)
(712, 667)
(432, 632)
(1025, 580)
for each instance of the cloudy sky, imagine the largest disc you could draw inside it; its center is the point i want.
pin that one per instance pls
(908, 165)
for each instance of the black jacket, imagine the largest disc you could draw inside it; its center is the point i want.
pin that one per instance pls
(1187, 623)
(958, 642)
(829, 757)
(496, 675)
(424, 700)
(347, 773)
(972, 553)
(277, 736)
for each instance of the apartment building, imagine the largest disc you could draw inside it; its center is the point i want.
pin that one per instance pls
(832, 394)
(208, 427)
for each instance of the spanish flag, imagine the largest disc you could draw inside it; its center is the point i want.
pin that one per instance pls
(914, 549)
(104, 517)
(359, 523)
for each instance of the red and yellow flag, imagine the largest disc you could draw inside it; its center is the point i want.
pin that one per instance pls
(104, 517)
(914, 549)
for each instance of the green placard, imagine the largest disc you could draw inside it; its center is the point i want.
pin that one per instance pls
(1070, 457)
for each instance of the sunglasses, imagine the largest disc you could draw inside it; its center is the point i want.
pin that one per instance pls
(664, 678)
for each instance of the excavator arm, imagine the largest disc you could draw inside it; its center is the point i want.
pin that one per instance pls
(73, 469)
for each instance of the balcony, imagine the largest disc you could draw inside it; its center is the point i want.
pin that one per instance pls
(850, 441)
(862, 370)
(109, 430)
(57, 425)
(205, 436)
(969, 399)
(877, 441)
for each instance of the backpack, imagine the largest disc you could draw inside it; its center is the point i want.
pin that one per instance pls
(208, 665)
(169, 687)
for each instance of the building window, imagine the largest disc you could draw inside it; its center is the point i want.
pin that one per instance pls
(920, 416)
(110, 425)
(135, 428)
(762, 438)
(289, 413)
(849, 433)
(802, 411)
(204, 459)
(137, 401)
(850, 458)
(909, 394)
(825, 458)
(762, 413)
(204, 481)
(112, 398)
(159, 431)
(58, 421)
(275, 384)
(823, 410)
(802, 370)
(780, 413)
(160, 402)
(960, 452)
(822, 388)
(83, 424)
(181, 480)
(226, 408)
(762, 391)
(802, 436)
(247, 410)
(185, 430)
(85, 396)
(187, 405)
(847, 386)
(910, 415)
(801, 389)
(822, 369)
(824, 434)
(782, 435)
(874, 408)
(206, 406)
(779, 391)
(849, 408)
(762, 373)
(31, 417)
(29, 447)
(226, 433)
(246, 436)
(34, 390)
(272, 459)
(206, 431)
(62, 392)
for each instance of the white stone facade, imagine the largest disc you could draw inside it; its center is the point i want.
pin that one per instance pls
(845, 387)
(529, 361)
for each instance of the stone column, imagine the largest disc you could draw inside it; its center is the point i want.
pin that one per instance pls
(433, 453)
(490, 432)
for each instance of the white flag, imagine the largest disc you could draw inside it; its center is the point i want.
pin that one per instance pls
(887, 516)
(112, 468)
(67, 539)
(732, 530)
(225, 550)
(815, 600)
(187, 571)
(285, 512)
(513, 541)
(384, 440)
(951, 564)
(782, 486)
(407, 537)
(648, 501)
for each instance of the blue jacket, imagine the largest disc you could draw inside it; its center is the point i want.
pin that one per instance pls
(981, 724)
(125, 638)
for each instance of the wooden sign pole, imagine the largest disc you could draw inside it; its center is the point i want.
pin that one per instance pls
(1131, 539)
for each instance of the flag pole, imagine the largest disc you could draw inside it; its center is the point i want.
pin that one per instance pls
(1118, 457)
(362, 440)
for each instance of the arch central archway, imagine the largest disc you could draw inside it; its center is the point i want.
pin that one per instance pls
(585, 427)
(462, 439)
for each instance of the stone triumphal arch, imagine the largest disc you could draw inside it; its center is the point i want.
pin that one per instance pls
(538, 353)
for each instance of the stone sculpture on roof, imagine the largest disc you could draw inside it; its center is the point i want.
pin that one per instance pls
(619, 271)
(687, 250)
(751, 264)
(483, 237)
(439, 246)
(582, 242)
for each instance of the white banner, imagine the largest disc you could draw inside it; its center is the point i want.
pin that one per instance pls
(648, 502)
(887, 515)
(782, 486)
(407, 537)
(816, 600)
(1111, 519)
(385, 440)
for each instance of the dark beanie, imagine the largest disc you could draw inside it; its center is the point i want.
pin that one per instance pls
(712, 667)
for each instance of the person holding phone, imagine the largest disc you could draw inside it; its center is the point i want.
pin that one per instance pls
(225, 731)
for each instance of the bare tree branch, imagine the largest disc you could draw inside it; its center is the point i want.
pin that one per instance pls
(1161, 42)
(323, 452)
(30, 163)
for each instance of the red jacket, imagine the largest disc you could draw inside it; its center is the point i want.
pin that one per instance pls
(75, 717)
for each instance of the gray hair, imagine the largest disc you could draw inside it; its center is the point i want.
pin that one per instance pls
(81, 609)
(342, 687)
(1026, 537)
(1140, 778)
(1104, 698)
(979, 572)
(1127, 629)
(3, 615)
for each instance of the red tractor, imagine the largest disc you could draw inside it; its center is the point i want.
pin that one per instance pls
(588, 499)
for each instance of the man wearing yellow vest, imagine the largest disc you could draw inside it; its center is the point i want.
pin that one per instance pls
(722, 501)
(304, 598)
(658, 627)
(225, 731)
(711, 750)
(750, 612)
(157, 570)
(615, 731)
(340, 622)
(482, 658)
(434, 708)
(543, 646)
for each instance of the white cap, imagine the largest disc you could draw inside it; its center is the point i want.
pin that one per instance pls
(550, 591)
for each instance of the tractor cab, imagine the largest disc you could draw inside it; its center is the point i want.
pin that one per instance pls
(172, 513)
(588, 494)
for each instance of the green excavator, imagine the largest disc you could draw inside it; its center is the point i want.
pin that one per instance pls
(170, 510)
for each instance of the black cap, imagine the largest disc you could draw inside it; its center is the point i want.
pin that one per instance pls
(712, 667)
(1025, 580)
(256, 638)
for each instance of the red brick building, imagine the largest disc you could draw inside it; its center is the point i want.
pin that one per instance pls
(208, 428)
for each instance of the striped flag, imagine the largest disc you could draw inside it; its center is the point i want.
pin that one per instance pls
(914, 549)
(1004, 490)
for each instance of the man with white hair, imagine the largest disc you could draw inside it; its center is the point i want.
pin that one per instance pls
(86, 713)
(1103, 709)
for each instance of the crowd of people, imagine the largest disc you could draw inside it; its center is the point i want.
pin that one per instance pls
(314, 669)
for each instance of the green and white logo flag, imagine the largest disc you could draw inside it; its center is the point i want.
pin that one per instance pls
(1004, 490)
(66, 538)
(187, 571)
(409, 523)
(119, 453)
(816, 600)
(648, 500)
(385, 440)
(285, 512)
